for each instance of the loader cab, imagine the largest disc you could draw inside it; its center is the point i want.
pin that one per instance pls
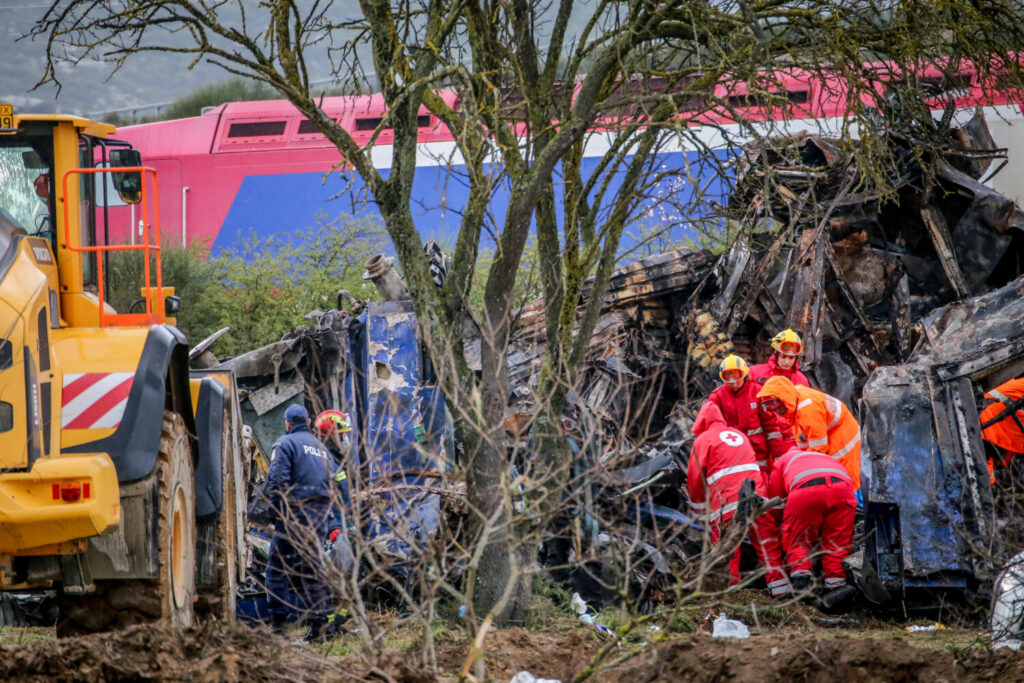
(60, 177)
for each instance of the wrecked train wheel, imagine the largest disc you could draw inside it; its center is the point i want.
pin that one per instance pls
(169, 598)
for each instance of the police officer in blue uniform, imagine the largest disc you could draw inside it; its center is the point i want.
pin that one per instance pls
(298, 491)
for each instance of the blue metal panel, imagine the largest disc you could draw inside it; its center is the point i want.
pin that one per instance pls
(917, 496)
(405, 421)
(284, 203)
(405, 426)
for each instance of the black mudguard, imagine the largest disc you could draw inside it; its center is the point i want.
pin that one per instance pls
(209, 485)
(161, 382)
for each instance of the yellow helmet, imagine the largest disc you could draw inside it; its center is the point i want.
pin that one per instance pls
(733, 362)
(787, 337)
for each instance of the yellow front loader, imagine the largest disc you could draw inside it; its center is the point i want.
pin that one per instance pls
(118, 470)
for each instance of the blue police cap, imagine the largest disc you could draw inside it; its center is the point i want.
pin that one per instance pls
(296, 414)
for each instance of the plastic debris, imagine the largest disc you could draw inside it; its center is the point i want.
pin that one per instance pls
(579, 606)
(527, 677)
(917, 629)
(1008, 606)
(729, 628)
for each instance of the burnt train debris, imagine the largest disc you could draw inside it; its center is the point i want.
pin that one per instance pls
(908, 302)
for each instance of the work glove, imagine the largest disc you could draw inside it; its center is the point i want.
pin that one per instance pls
(332, 536)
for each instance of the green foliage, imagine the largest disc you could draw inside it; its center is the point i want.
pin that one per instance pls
(527, 286)
(550, 603)
(215, 94)
(262, 289)
(188, 270)
(685, 620)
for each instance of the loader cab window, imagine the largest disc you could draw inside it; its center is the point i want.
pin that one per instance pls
(26, 187)
(87, 209)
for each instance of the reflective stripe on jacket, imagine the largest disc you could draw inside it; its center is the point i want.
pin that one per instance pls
(769, 434)
(798, 467)
(820, 423)
(720, 461)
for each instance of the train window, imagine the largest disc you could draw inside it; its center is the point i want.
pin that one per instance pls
(364, 124)
(759, 100)
(307, 127)
(369, 123)
(256, 129)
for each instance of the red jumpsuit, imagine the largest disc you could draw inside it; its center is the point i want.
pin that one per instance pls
(762, 371)
(769, 434)
(820, 509)
(720, 461)
(820, 422)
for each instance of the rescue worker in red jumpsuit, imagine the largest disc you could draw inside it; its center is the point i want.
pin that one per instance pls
(820, 510)
(783, 361)
(1002, 420)
(769, 435)
(820, 422)
(720, 462)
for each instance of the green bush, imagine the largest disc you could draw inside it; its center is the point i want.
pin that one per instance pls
(193, 276)
(263, 288)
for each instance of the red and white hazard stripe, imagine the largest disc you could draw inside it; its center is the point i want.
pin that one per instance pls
(94, 400)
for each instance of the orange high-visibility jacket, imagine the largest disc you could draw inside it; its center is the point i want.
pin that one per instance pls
(820, 423)
(1007, 432)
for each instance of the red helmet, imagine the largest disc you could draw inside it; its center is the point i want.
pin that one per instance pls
(331, 421)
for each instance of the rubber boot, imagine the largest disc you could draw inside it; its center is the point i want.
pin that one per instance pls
(334, 624)
(837, 596)
(315, 634)
(279, 624)
(800, 584)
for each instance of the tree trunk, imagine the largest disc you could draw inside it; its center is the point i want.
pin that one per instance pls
(500, 572)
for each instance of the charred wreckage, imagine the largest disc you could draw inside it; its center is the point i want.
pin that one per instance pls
(909, 306)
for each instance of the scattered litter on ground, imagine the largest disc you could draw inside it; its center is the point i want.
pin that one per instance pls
(729, 628)
(527, 677)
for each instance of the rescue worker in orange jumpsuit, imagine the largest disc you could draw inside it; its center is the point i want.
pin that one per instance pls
(783, 362)
(820, 422)
(721, 460)
(769, 435)
(820, 510)
(1002, 420)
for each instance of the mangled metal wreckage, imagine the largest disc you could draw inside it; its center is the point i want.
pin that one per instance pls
(909, 306)
(367, 362)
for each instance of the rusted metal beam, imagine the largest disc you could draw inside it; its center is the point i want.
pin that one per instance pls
(939, 231)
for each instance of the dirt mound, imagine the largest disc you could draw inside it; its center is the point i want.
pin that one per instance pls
(214, 652)
(805, 657)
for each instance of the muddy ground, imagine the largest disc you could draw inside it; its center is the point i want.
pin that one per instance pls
(797, 644)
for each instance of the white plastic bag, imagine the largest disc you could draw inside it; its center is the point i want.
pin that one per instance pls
(729, 628)
(527, 677)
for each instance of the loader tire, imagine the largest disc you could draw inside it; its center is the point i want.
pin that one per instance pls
(169, 598)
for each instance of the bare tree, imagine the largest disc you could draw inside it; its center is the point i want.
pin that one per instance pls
(531, 94)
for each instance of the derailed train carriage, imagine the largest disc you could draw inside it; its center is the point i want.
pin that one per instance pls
(908, 305)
